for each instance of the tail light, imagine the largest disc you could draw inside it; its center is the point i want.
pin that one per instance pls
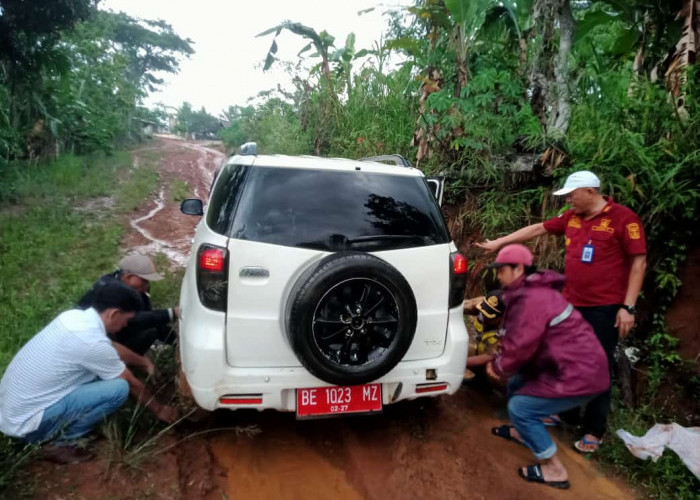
(458, 278)
(212, 276)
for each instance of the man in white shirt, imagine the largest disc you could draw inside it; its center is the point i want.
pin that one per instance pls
(69, 377)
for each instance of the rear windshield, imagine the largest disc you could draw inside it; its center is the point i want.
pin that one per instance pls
(334, 211)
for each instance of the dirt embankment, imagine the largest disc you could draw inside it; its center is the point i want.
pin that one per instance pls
(428, 449)
(684, 316)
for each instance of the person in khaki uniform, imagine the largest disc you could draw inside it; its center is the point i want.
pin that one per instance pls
(484, 324)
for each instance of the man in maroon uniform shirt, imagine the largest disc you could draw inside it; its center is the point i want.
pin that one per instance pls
(605, 265)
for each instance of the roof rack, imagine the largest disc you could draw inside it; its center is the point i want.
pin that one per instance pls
(249, 149)
(397, 160)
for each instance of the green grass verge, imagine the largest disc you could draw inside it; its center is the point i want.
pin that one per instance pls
(179, 190)
(60, 228)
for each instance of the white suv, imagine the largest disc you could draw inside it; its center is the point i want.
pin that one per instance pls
(321, 286)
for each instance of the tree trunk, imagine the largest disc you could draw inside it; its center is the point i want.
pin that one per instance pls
(560, 113)
(424, 133)
(522, 63)
(461, 60)
(542, 73)
(624, 375)
(685, 55)
(326, 68)
(640, 56)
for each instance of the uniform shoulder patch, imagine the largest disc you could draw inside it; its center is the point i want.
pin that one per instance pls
(633, 231)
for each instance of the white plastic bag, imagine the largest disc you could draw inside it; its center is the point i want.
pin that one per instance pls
(685, 441)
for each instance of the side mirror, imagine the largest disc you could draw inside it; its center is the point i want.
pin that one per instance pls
(192, 206)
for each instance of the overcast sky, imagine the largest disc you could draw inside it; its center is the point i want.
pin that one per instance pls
(226, 67)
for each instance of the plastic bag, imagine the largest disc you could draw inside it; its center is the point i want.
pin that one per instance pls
(685, 441)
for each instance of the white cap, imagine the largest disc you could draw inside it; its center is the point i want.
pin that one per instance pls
(581, 179)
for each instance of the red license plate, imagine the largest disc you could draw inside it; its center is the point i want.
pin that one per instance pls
(337, 400)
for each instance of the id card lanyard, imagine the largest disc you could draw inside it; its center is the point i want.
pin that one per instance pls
(588, 251)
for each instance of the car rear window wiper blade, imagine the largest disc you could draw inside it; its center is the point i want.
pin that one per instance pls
(389, 237)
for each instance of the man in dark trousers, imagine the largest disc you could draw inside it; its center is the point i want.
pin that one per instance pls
(148, 325)
(605, 265)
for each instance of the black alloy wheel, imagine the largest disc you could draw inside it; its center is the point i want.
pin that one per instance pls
(351, 318)
(355, 322)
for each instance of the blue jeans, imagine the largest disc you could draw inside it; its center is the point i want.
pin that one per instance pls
(526, 414)
(77, 413)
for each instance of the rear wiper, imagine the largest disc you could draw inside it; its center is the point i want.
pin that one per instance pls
(390, 237)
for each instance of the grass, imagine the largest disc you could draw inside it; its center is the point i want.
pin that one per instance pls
(50, 250)
(55, 241)
(133, 433)
(130, 195)
(179, 190)
(13, 456)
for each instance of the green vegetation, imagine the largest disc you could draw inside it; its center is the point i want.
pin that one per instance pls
(196, 124)
(179, 190)
(72, 77)
(133, 432)
(56, 238)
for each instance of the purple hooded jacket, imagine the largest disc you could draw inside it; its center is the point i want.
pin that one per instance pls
(548, 342)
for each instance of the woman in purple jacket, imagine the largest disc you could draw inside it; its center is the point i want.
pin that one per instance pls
(551, 354)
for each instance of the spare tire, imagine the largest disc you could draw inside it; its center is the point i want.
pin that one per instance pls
(351, 318)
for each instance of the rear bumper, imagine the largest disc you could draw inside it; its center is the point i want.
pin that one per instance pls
(210, 377)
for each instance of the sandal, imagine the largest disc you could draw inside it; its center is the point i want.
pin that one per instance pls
(579, 445)
(534, 474)
(504, 432)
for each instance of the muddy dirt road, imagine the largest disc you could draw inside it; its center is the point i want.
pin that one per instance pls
(428, 449)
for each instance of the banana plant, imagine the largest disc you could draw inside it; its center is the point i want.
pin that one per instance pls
(343, 58)
(519, 15)
(468, 17)
(322, 42)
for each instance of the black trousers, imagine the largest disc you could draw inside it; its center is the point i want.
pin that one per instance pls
(595, 416)
(141, 340)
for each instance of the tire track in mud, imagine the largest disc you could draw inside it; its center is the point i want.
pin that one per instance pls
(158, 227)
(157, 245)
(207, 174)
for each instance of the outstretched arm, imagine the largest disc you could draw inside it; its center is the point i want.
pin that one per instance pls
(518, 236)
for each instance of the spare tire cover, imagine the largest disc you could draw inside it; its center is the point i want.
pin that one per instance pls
(351, 318)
